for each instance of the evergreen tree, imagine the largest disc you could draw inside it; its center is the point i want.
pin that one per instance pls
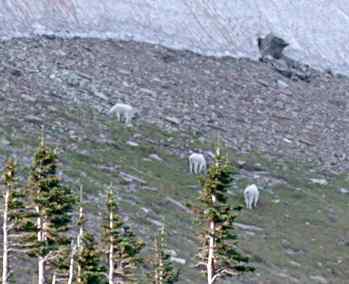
(163, 271)
(90, 262)
(121, 246)
(52, 204)
(90, 269)
(218, 254)
(13, 212)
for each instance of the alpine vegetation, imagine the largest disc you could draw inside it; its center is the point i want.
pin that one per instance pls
(90, 268)
(120, 245)
(218, 254)
(51, 205)
(163, 271)
(12, 217)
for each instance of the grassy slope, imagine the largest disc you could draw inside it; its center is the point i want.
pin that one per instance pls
(301, 223)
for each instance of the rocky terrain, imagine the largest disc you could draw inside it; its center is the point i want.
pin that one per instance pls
(247, 103)
(287, 135)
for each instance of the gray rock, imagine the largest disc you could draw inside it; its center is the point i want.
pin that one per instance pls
(343, 190)
(246, 227)
(319, 279)
(319, 181)
(4, 142)
(179, 205)
(155, 157)
(282, 84)
(155, 222)
(129, 178)
(271, 45)
(178, 260)
(132, 143)
(173, 120)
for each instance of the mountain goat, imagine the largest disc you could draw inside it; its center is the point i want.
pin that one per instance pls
(197, 163)
(123, 111)
(251, 195)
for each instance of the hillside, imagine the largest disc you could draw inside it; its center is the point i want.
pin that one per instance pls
(287, 136)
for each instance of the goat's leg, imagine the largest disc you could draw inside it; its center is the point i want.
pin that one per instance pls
(256, 197)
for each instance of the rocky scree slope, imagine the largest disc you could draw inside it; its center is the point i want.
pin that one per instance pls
(289, 137)
(246, 102)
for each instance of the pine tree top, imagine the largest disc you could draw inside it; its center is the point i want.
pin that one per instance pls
(162, 266)
(50, 201)
(9, 173)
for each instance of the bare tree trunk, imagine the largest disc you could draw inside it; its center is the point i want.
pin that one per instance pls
(71, 264)
(210, 268)
(41, 270)
(5, 239)
(54, 278)
(111, 249)
(41, 259)
(157, 262)
(211, 246)
(81, 233)
(79, 246)
(161, 266)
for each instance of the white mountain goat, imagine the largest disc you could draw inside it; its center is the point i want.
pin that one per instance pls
(251, 195)
(197, 163)
(123, 111)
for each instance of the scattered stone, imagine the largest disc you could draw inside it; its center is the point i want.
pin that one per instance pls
(343, 190)
(319, 181)
(173, 120)
(108, 168)
(295, 263)
(171, 252)
(281, 84)
(155, 157)
(100, 95)
(179, 205)
(4, 142)
(263, 83)
(132, 143)
(33, 118)
(248, 227)
(319, 279)
(342, 242)
(178, 260)
(28, 98)
(155, 222)
(16, 72)
(154, 189)
(129, 178)
(145, 210)
(241, 163)
(294, 252)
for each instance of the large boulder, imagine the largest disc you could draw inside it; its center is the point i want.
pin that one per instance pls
(271, 45)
